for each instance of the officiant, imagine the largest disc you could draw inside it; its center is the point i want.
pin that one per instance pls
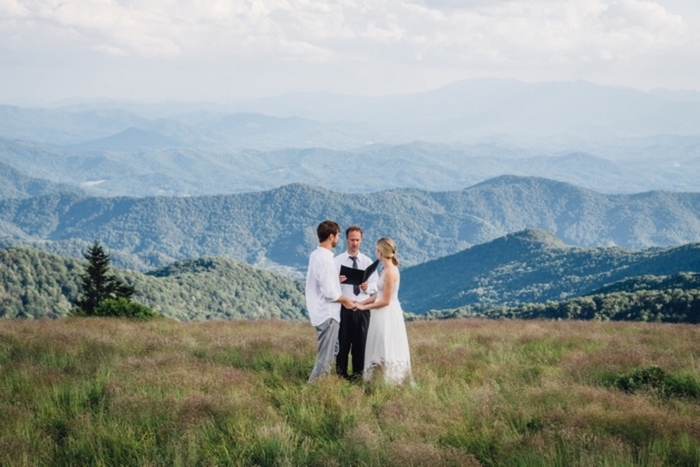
(352, 335)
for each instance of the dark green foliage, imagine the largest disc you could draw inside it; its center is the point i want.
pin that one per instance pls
(99, 284)
(668, 306)
(35, 284)
(682, 280)
(123, 308)
(656, 380)
(217, 288)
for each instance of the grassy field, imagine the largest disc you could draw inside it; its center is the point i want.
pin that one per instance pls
(112, 392)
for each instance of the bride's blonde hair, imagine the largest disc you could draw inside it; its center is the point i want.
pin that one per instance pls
(387, 248)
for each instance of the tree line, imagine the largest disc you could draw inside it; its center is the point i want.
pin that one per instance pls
(675, 305)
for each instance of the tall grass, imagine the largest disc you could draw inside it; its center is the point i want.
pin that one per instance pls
(111, 392)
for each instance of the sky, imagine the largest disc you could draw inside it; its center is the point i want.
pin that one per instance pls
(211, 50)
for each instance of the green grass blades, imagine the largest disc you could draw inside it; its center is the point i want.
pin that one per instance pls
(117, 392)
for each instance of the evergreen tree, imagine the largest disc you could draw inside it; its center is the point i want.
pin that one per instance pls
(98, 283)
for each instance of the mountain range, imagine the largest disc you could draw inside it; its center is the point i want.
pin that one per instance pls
(135, 166)
(276, 228)
(607, 139)
(496, 191)
(466, 111)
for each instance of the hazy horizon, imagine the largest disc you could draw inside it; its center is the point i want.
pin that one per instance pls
(230, 104)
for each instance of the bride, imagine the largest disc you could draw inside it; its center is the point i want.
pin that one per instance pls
(387, 343)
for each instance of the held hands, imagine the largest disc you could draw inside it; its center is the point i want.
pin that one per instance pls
(346, 302)
(350, 304)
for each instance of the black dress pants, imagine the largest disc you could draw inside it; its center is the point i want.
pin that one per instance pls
(352, 338)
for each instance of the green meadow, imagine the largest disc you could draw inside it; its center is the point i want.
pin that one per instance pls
(91, 391)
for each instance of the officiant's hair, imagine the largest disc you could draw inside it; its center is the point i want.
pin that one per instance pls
(387, 247)
(325, 229)
(353, 228)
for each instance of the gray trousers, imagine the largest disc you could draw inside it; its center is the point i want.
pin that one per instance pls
(327, 338)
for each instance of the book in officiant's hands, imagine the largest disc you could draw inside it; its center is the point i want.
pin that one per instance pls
(358, 276)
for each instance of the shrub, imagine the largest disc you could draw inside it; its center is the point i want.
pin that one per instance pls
(123, 308)
(655, 379)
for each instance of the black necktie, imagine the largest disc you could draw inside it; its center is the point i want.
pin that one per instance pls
(355, 288)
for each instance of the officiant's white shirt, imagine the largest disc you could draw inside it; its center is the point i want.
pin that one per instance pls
(322, 287)
(363, 262)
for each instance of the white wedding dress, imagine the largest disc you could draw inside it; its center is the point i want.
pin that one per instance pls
(387, 343)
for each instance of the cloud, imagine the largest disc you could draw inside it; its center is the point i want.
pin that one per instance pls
(320, 30)
(538, 39)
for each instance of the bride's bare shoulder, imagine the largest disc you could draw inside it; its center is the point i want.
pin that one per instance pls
(392, 272)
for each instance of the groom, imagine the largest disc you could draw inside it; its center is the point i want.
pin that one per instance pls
(352, 336)
(323, 297)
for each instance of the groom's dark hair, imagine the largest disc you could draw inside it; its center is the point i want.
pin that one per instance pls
(325, 229)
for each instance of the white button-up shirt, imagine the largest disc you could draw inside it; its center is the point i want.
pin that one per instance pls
(363, 262)
(322, 287)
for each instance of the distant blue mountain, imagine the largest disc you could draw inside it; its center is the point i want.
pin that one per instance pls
(162, 161)
(132, 140)
(546, 115)
(498, 109)
(14, 184)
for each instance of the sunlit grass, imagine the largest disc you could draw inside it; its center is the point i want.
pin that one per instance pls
(114, 392)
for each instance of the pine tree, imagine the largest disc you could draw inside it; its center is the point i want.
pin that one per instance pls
(98, 283)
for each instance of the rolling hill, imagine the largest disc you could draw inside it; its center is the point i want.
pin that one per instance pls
(36, 284)
(529, 267)
(276, 228)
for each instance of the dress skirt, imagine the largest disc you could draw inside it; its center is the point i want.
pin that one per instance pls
(387, 345)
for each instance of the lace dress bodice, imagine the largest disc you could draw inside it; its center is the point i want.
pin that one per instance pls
(395, 293)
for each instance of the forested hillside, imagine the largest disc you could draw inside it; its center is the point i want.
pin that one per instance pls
(526, 271)
(669, 299)
(37, 284)
(532, 266)
(683, 280)
(277, 227)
